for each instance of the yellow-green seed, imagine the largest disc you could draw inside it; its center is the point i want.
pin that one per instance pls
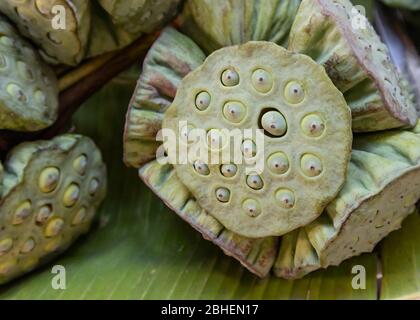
(71, 196)
(202, 101)
(228, 170)
(28, 246)
(234, 111)
(16, 92)
(80, 216)
(311, 165)
(255, 182)
(285, 198)
(230, 78)
(54, 227)
(22, 212)
(25, 71)
(262, 80)
(294, 92)
(223, 194)
(278, 163)
(48, 179)
(249, 149)
(53, 245)
(93, 186)
(44, 213)
(274, 123)
(201, 168)
(251, 207)
(6, 41)
(5, 245)
(80, 164)
(313, 126)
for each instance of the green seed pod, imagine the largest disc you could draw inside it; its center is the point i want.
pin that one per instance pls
(214, 24)
(278, 99)
(332, 33)
(47, 201)
(35, 19)
(403, 4)
(381, 190)
(29, 92)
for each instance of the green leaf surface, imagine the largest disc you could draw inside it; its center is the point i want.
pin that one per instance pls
(142, 250)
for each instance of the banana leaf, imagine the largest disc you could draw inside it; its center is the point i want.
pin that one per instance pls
(139, 249)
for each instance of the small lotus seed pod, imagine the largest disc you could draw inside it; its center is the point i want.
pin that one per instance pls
(312, 126)
(228, 170)
(24, 77)
(201, 168)
(252, 208)
(278, 163)
(230, 78)
(262, 80)
(255, 182)
(303, 197)
(274, 123)
(202, 101)
(357, 62)
(41, 215)
(381, 190)
(234, 111)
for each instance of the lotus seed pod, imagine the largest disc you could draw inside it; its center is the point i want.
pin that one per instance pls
(35, 19)
(357, 62)
(307, 171)
(47, 204)
(403, 4)
(29, 94)
(381, 190)
(214, 24)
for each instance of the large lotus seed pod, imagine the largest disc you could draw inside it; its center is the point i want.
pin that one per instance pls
(333, 34)
(51, 191)
(382, 188)
(403, 4)
(35, 19)
(29, 92)
(282, 181)
(143, 16)
(214, 24)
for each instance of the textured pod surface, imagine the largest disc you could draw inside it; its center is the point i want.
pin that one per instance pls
(381, 190)
(51, 190)
(335, 35)
(303, 161)
(29, 92)
(171, 58)
(34, 19)
(143, 16)
(403, 4)
(214, 24)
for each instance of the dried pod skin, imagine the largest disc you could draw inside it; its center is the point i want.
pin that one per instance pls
(357, 62)
(214, 24)
(141, 16)
(37, 223)
(171, 57)
(35, 18)
(381, 190)
(277, 100)
(29, 92)
(403, 4)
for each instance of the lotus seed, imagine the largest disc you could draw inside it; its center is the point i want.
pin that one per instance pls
(25, 71)
(93, 186)
(6, 41)
(251, 208)
(22, 212)
(53, 245)
(79, 217)
(230, 78)
(44, 213)
(5, 246)
(215, 139)
(255, 182)
(54, 228)
(223, 195)
(48, 179)
(313, 126)
(262, 81)
(278, 163)
(28, 246)
(80, 164)
(202, 101)
(234, 111)
(7, 267)
(274, 123)
(71, 196)
(285, 198)
(40, 97)
(186, 133)
(16, 92)
(249, 149)
(311, 165)
(294, 92)
(201, 168)
(228, 170)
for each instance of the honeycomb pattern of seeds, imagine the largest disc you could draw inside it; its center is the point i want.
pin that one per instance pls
(228, 170)
(16, 93)
(48, 179)
(54, 227)
(262, 80)
(294, 92)
(278, 163)
(252, 208)
(285, 198)
(93, 186)
(230, 78)
(223, 195)
(43, 214)
(80, 217)
(22, 212)
(313, 126)
(255, 182)
(249, 149)
(201, 168)
(274, 123)
(80, 164)
(28, 246)
(5, 246)
(203, 100)
(234, 111)
(71, 195)
(311, 165)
